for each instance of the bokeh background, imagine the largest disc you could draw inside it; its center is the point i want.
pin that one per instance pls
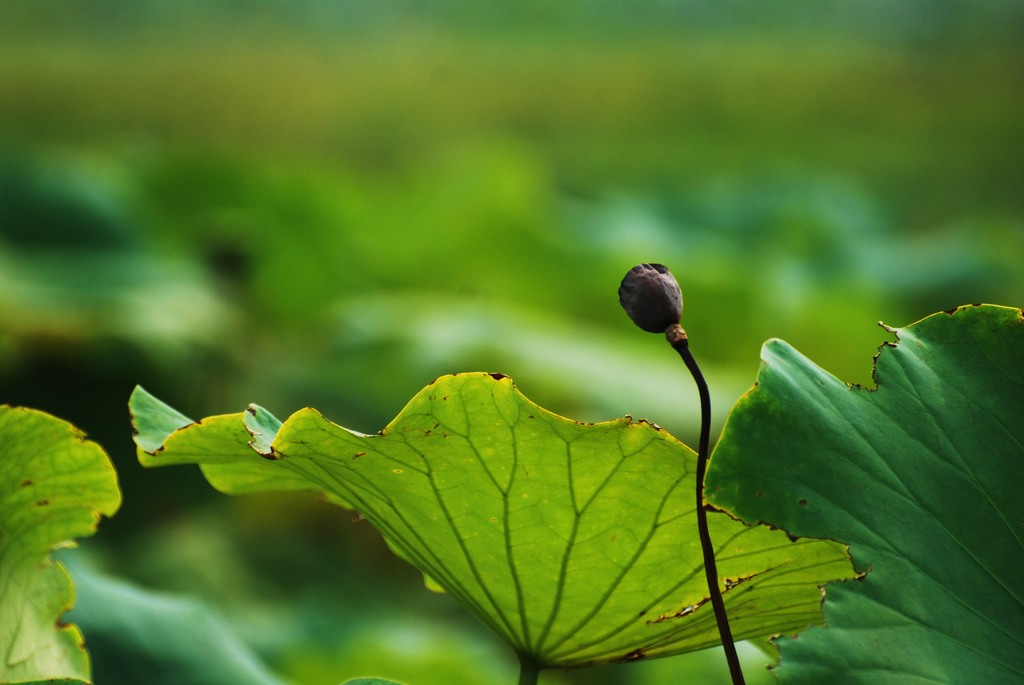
(321, 203)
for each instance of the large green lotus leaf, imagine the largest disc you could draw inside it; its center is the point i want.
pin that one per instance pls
(54, 485)
(576, 543)
(923, 477)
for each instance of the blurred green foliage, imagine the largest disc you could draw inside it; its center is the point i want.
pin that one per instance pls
(330, 204)
(136, 636)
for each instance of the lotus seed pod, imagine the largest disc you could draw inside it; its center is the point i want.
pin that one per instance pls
(650, 295)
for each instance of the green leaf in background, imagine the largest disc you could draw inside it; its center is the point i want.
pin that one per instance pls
(54, 485)
(923, 477)
(137, 636)
(576, 543)
(370, 681)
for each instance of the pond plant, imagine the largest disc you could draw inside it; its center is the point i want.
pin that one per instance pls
(891, 514)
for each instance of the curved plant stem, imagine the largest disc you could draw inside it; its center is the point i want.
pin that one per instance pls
(529, 671)
(681, 344)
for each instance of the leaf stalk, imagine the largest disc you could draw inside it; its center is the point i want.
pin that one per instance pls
(677, 337)
(529, 670)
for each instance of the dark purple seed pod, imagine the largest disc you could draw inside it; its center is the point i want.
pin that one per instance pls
(650, 295)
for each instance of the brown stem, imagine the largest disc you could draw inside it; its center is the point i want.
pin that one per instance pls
(680, 343)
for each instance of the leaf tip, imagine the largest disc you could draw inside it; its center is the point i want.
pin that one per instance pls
(152, 420)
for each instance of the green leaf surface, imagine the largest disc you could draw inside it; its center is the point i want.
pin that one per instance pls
(54, 485)
(576, 543)
(923, 477)
(370, 681)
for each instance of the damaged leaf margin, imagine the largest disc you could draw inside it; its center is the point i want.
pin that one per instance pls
(54, 487)
(921, 476)
(576, 543)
